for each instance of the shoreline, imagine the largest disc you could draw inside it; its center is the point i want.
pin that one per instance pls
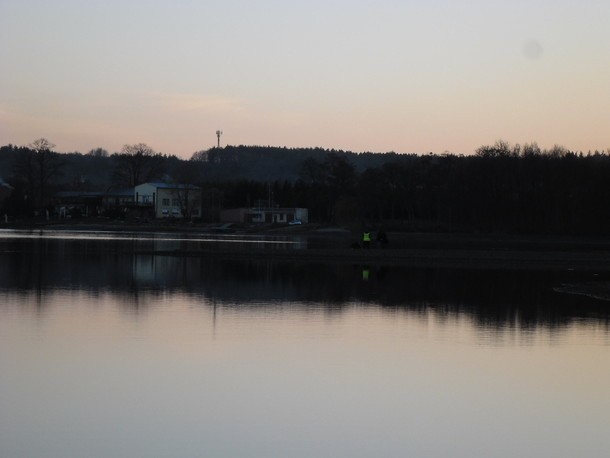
(409, 249)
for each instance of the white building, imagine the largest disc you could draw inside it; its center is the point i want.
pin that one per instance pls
(169, 200)
(265, 215)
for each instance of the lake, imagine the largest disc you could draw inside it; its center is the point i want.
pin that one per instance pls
(110, 350)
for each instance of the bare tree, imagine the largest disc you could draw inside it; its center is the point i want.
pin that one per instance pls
(36, 167)
(98, 152)
(500, 148)
(188, 194)
(137, 164)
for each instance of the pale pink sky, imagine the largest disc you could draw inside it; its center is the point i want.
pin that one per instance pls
(380, 76)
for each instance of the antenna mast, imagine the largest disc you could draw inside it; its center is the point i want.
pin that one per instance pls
(218, 134)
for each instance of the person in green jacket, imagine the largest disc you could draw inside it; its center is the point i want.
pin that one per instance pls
(366, 239)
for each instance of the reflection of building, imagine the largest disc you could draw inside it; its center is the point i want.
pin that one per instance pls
(169, 200)
(264, 215)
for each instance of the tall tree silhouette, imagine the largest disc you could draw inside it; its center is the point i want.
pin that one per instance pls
(137, 164)
(37, 166)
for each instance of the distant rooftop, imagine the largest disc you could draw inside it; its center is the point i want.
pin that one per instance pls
(120, 192)
(172, 185)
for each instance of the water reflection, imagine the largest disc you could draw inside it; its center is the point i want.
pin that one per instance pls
(106, 350)
(153, 241)
(493, 299)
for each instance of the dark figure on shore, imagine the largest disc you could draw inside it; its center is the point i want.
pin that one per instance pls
(366, 273)
(366, 240)
(382, 238)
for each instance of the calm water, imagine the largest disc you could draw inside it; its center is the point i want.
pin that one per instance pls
(105, 352)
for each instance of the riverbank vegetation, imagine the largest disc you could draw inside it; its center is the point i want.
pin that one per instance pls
(502, 188)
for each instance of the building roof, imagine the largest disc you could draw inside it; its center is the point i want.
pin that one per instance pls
(126, 192)
(91, 194)
(160, 185)
(79, 194)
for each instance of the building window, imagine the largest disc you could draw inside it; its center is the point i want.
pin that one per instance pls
(176, 202)
(165, 202)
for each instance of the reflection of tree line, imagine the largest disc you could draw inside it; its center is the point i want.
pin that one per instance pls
(491, 298)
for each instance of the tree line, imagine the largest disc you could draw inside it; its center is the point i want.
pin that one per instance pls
(501, 188)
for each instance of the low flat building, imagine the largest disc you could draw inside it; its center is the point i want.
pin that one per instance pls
(92, 203)
(78, 203)
(118, 198)
(265, 215)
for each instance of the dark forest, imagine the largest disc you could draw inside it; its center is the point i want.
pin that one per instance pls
(501, 188)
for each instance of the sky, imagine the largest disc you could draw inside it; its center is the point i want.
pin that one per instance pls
(387, 75)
